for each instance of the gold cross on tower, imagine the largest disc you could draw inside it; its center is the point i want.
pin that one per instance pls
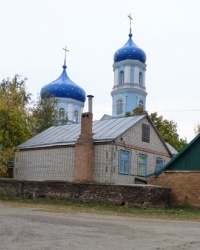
(129, 16)
(66, 50)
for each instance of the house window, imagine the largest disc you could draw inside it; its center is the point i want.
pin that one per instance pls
(119, 107)
(121, 77)
(124, 167)
(140, 79)
(61, 113)
(145, 133)
(142, 165)
(159, 163)
(76, 116)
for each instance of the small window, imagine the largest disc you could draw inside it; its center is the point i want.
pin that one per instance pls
(76, 116)
(159, 163)
(142, 165)
(119, 107)
(140, 79)
(124, 167)
(145, 133)
(121, 77)
(141, 104)
(61, 113)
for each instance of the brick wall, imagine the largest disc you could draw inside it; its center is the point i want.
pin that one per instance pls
(84, 151)
(135, 195)
(45, 164)
(185, 186)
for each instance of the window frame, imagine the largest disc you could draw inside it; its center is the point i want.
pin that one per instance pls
(119, 106)
(141, 104)
(140, 79)
(124, 162)
(61, 113)
(121, 77)
(76, 115)
(145, 133)
(142, 165)
(159, 165)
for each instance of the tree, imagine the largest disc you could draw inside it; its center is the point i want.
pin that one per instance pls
(45, 114)
(14, 116)
(197, 129)
(167, 129)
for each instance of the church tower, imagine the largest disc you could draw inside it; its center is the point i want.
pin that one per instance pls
(129, 90)
(70, 96)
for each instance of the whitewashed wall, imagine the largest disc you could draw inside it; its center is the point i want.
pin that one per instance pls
(45, 164)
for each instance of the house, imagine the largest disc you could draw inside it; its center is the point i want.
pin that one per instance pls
(114, 150)
(182, 173)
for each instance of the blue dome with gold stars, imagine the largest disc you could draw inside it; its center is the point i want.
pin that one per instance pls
(63, 87)
(130, 51)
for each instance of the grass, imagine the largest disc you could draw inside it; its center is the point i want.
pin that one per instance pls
(69, 206)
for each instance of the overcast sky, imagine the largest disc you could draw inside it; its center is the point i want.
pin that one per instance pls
(33, 33)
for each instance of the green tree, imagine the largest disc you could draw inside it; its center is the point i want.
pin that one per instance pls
(14, 116)
(197, 129)
(167, 129)
(45, 114)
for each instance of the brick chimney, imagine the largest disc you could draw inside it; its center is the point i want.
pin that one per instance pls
(84, 147)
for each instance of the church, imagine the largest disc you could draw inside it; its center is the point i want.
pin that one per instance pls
(115, 149)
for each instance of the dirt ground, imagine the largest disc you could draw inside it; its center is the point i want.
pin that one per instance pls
(32, 229)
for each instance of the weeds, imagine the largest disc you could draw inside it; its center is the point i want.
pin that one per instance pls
(67, 206)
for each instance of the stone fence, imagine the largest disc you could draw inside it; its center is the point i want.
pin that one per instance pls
(133, 195)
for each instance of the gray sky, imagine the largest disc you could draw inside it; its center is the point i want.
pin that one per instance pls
(33, 33)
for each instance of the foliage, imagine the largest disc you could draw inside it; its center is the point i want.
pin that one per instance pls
(167, 129)
(14, 116)
(3, 172)
(197, 129)
(137, 111)
(45, 114)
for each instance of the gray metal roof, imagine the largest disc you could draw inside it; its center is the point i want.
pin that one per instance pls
(103, 130)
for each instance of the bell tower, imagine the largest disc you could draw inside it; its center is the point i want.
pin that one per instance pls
(129, 90)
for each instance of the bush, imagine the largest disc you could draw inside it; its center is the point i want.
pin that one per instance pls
(3, 172)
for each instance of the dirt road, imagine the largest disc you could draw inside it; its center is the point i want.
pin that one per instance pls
(32, 229)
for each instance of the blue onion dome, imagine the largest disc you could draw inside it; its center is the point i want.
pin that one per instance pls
(63, 87)
(130, 51)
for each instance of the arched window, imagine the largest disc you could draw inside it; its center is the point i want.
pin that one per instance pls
(141, 104)
(76, 116)
(141, 79)
(121, 77)
(61, 113)
(119, 107)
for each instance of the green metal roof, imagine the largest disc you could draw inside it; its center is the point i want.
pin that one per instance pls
(187, 159)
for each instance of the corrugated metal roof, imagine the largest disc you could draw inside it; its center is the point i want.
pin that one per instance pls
(103, 130)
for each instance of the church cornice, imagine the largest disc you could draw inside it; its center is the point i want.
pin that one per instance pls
(131, 63)
(70, 101)
(129, 90)
(128, 86)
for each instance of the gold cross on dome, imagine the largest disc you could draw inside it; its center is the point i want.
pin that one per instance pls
(129, 16)
(66, 50)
